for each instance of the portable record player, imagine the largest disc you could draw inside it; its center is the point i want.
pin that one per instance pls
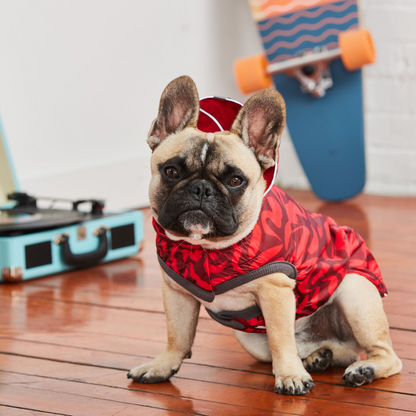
(36, 241)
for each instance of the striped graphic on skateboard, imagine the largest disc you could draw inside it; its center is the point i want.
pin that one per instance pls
(264, 9)
(286, 35)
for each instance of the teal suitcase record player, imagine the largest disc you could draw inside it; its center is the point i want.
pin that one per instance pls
(36, 242)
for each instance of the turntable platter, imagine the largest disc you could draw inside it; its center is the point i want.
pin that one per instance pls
(27, 220)
(8, 217)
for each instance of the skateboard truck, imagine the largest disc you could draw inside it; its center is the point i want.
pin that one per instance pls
(355, 48)
(312, 71)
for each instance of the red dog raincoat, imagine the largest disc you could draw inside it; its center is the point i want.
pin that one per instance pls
(308, 247)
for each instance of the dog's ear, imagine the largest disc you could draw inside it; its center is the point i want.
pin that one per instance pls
(260, 124)
(178, 108)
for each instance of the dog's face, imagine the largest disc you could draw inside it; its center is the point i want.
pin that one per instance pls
(207, 188)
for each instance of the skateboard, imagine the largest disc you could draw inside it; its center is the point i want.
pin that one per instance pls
(314, 52)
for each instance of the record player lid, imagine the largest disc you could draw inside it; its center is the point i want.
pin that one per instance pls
(8, 178)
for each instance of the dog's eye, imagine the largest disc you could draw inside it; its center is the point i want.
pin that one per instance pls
(172, 173)
(236, 181)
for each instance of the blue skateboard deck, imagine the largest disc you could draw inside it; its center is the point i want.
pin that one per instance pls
(327, 132)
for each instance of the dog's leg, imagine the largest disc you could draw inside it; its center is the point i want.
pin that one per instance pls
(325, 338)
(182, 316)
(363, 309)
(277, 302)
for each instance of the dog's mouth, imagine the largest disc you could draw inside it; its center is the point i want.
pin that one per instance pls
(196, 224)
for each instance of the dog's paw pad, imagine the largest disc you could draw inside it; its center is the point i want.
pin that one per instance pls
(358, 376)
(318, 361)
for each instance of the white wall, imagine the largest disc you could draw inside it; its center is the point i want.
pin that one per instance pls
(391, 97)
(80, 82)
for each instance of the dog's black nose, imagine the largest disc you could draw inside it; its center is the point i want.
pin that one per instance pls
(201, 188)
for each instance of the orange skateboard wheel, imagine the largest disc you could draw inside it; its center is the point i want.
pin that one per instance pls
(357, 48)
(250, 74)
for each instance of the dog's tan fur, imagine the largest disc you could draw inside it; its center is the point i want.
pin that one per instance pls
(252, 145)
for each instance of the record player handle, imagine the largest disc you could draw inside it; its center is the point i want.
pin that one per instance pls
(85, 259)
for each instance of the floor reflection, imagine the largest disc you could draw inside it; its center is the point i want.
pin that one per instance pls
(169, 397)
(57, 303)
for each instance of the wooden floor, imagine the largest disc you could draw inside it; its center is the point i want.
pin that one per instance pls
(67, 341)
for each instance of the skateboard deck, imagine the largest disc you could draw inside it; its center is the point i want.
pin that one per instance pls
(327, 132)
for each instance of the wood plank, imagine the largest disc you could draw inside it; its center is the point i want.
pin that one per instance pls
(16, 411)
(123, 323)
(115, 389)
(402, 322)
(214, 369)
(110, 318)
(28, 391)
(398, 306)
(126, 411)
(80, 398)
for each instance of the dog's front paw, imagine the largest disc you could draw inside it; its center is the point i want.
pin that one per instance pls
(295, 384)
(358, 374)
(162, 368)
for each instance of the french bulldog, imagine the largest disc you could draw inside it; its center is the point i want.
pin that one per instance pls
(299, 290)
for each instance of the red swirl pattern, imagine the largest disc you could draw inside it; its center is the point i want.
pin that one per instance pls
(322, 251)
